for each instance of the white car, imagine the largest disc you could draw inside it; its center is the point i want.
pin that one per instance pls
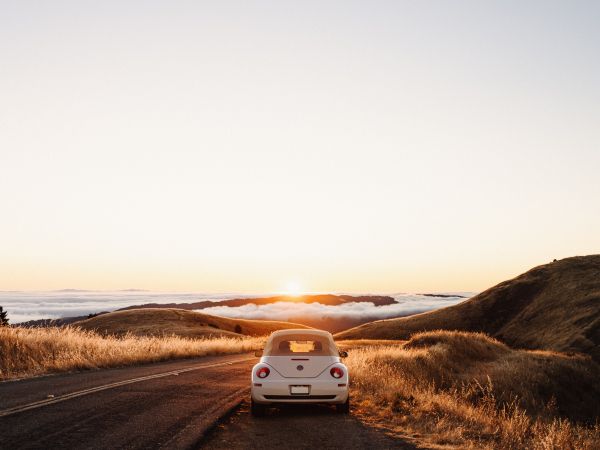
(300, 366)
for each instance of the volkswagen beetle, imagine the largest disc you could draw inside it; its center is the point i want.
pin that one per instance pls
(300, 366)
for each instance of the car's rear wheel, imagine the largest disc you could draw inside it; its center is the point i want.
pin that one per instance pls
(256, 409)
(344, 408)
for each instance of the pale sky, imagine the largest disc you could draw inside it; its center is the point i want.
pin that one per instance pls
(376, 146)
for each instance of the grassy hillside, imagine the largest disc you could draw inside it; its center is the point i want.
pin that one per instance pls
(467, 390)
(168, 321)
(555, 306)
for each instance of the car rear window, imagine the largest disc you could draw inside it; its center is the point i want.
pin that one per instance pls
(300, 345)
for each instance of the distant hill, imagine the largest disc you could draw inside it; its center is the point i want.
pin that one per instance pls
(324, 299)
(161, 321)
(555, 306)
(331, 324)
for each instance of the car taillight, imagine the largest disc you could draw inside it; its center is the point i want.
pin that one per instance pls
(336, 372)
(263, 372)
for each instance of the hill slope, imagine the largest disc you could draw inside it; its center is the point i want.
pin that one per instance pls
(167, 321)
(555, 306)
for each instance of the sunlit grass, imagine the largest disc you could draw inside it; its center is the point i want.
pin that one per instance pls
(466, 390)
(34, 351)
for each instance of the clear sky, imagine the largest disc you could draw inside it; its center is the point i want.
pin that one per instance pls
(370, 146)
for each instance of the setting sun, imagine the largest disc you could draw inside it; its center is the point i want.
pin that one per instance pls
(293, 289)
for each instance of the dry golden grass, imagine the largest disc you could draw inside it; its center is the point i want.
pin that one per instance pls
(179, 322)
(28, 352)
(467, 390)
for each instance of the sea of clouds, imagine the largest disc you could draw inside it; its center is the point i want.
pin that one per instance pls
(406, 304)
(23, 306)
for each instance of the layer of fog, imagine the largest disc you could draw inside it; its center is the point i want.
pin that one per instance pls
(406, 304)
(24, 306)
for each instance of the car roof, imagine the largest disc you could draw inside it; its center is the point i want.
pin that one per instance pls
(308, 331)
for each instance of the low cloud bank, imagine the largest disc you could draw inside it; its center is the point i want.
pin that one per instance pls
(23, 306)
(406, 305)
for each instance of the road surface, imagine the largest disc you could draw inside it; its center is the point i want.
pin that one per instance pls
(298, 427)
(165, 405)
(170, 405)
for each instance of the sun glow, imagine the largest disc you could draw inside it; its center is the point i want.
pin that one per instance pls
(293, 289)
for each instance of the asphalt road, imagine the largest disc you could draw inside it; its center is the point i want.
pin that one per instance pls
(172, 405)
(164, 405)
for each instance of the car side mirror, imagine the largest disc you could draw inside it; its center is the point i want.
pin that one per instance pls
(258, 353)
(343, 354)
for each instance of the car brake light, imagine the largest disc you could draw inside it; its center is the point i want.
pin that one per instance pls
(263, 372)
(336, 372)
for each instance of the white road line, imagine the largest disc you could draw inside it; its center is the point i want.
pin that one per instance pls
(62, 398)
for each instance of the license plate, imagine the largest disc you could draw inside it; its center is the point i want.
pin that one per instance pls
(299, 389)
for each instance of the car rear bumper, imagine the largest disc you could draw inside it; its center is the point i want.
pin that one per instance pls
(320, 391)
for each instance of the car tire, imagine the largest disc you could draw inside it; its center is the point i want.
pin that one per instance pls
(257, 410)
(343, 408)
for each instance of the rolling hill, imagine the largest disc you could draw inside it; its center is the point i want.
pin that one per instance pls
(555, 306)
(324, 322)
(167, 321)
